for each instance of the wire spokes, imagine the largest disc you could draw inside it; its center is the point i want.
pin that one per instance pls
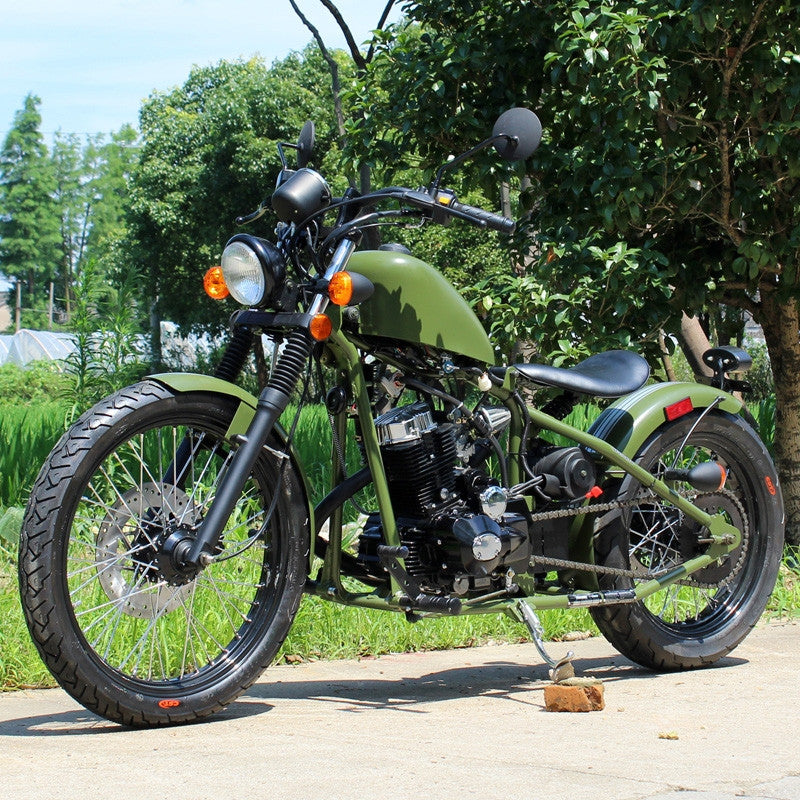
(137, 615)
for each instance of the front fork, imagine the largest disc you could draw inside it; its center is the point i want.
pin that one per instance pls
(272, 402)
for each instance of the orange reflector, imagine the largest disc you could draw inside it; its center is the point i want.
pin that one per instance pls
(340, 288)
(214, 284)
(320, 327)
(678, 409)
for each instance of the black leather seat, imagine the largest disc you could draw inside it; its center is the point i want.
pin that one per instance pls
(611, 374)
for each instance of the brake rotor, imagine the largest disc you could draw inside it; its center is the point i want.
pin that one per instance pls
(128, 545)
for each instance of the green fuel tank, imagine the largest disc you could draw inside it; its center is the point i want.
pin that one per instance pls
(414, 303)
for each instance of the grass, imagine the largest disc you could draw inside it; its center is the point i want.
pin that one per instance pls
(27, 435)
(321, 629)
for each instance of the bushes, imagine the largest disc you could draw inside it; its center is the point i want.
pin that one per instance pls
(40, 381)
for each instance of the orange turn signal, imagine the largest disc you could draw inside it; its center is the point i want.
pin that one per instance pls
(214, 284)
(340, 288)
(320, 327)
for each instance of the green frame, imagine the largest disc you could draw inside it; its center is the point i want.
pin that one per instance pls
(615, 437)
(636, 416)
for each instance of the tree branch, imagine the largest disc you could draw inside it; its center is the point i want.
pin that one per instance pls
(358, 58)
(332, 66)
(381, 23)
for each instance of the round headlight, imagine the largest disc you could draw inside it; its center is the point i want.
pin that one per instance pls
(254, 270)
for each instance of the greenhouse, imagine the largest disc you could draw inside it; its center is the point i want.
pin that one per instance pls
(25, 346)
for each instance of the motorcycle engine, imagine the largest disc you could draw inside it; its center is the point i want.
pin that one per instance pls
(459, 534)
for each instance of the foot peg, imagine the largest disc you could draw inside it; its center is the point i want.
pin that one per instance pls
(560, 670)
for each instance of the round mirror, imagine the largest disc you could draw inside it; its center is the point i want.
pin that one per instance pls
(305, 144)
(522, 133)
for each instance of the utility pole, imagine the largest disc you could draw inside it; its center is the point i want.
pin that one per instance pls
(18, 308)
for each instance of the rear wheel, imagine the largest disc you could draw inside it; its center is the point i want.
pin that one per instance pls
(122, 627)
(697, 621)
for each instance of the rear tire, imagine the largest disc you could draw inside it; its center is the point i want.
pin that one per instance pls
(697, 622)
(121, 631)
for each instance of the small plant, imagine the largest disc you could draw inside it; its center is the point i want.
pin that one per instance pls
(109, 353)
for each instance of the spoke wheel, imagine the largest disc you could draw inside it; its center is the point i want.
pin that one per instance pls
(123, 626)
(698, 620)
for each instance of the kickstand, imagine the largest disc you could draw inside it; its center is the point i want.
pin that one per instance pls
(560, 670)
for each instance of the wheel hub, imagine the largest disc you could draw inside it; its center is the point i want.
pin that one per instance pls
(172, 557)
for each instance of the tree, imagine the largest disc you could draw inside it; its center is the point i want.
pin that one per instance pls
(684, 139)
(29, 233)
(91, 198)
(668, 179)
(209, 155)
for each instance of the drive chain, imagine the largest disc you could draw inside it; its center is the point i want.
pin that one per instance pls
(575, 511)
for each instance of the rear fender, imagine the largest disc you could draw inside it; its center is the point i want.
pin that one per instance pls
(182, 382)
(627, 424)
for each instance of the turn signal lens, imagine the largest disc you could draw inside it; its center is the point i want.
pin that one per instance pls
(320, 327)
(214, 284)
(340, 288)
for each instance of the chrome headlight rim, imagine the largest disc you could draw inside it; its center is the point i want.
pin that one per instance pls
(257, 283)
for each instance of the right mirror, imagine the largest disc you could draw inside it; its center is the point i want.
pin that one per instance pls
(523, 131)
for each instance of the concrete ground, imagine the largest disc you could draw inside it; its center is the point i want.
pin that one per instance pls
(458, 724)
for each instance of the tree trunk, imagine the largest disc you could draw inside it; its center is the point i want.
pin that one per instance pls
(780, 321)
(694, 343)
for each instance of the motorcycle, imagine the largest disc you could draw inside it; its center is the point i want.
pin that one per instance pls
(170, 535)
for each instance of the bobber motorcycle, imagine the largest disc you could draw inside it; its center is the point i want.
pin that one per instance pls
(170, 535)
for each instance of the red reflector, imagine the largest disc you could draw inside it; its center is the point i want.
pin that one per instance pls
(594, 493)
(678, 409)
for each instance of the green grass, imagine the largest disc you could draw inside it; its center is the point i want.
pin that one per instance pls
(27, 435)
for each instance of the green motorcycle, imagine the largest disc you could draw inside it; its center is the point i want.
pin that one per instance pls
(170, 535)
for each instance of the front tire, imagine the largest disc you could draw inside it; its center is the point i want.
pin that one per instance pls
(699, 620)
(124, 632)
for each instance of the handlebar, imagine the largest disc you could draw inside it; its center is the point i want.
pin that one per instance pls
(436, 207)
(445, 202)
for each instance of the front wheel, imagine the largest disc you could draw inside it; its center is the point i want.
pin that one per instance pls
(697, 621)
(121, 626)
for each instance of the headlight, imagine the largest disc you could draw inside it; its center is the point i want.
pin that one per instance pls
(254, 270)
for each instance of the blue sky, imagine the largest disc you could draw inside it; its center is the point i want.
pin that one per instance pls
(92, 63)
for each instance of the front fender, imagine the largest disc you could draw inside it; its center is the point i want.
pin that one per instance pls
(628, 422)
(182, 382)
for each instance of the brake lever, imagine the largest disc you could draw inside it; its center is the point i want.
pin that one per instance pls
(257, 214)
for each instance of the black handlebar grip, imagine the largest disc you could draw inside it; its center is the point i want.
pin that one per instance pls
(483, 218)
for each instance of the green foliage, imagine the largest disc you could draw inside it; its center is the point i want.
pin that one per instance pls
(91, 196)
(675, 122)
(108, 351)
(39, 381)
(439, 79)
(580, 303)
(760, 375)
